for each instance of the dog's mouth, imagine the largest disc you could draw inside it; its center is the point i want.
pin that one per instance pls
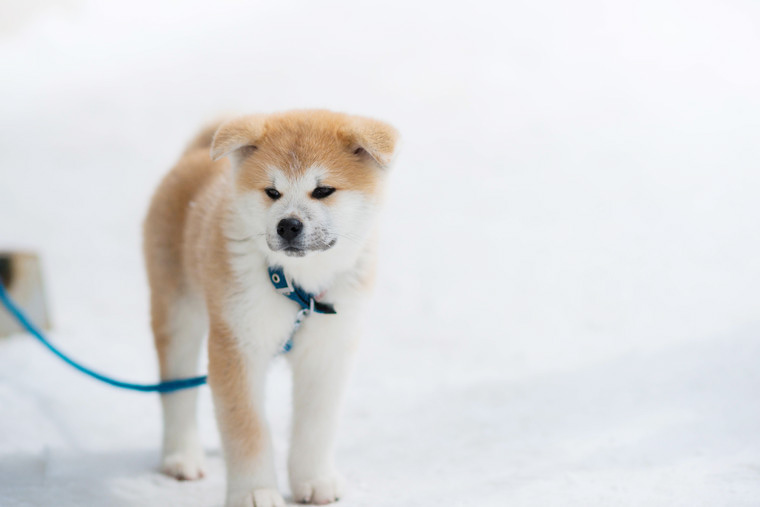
(300, 250)
(293, 251)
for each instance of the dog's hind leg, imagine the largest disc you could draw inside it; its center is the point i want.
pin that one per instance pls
(179, 326)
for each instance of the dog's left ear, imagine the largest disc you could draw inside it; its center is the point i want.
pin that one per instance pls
(237, 133)
(373, 138)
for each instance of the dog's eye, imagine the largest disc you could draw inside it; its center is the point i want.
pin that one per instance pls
(322, 192)
(272, 193)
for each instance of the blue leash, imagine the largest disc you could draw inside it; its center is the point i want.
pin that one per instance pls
(308, 303)
(162, 387)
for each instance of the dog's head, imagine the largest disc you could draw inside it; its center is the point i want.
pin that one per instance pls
(306, 181)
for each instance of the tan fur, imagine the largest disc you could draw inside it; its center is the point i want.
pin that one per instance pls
(166, 235)
(184, 245)
(238, 421)
(296, 140)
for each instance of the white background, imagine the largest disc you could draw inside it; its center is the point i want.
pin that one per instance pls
(568, 305)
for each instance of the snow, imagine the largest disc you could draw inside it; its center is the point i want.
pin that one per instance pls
(567, 311)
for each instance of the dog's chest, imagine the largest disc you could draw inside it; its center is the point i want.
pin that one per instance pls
(260, 317)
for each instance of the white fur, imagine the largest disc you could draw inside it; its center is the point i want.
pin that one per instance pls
(321, 358)
(182, 452)
(262, 319)
(349, 220)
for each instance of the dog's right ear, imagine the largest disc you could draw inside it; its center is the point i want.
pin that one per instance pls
(237, 133)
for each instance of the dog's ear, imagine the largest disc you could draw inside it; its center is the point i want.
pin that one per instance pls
(372, 138)
(237, 133)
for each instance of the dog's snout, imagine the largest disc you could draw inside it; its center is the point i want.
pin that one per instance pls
(289, 228)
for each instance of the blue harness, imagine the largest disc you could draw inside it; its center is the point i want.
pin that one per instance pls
(308, 303)
(304, 299)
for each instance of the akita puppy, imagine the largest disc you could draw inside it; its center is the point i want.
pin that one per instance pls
(265, 220)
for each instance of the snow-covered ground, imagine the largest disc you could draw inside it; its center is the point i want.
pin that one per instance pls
(568, 307)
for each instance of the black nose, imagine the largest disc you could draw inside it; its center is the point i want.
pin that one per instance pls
(289, 228)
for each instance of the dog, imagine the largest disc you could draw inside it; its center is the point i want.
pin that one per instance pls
(258, 208)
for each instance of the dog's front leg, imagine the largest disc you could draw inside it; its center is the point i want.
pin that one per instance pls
(237, 381)
(320, 359)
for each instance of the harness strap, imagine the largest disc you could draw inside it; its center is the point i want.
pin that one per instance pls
(307, 301)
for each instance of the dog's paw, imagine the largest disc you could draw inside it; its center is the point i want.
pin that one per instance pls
(184, 466)
(263, 497)
(320, 491)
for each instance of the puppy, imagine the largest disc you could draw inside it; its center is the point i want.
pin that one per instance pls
(257, 210)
